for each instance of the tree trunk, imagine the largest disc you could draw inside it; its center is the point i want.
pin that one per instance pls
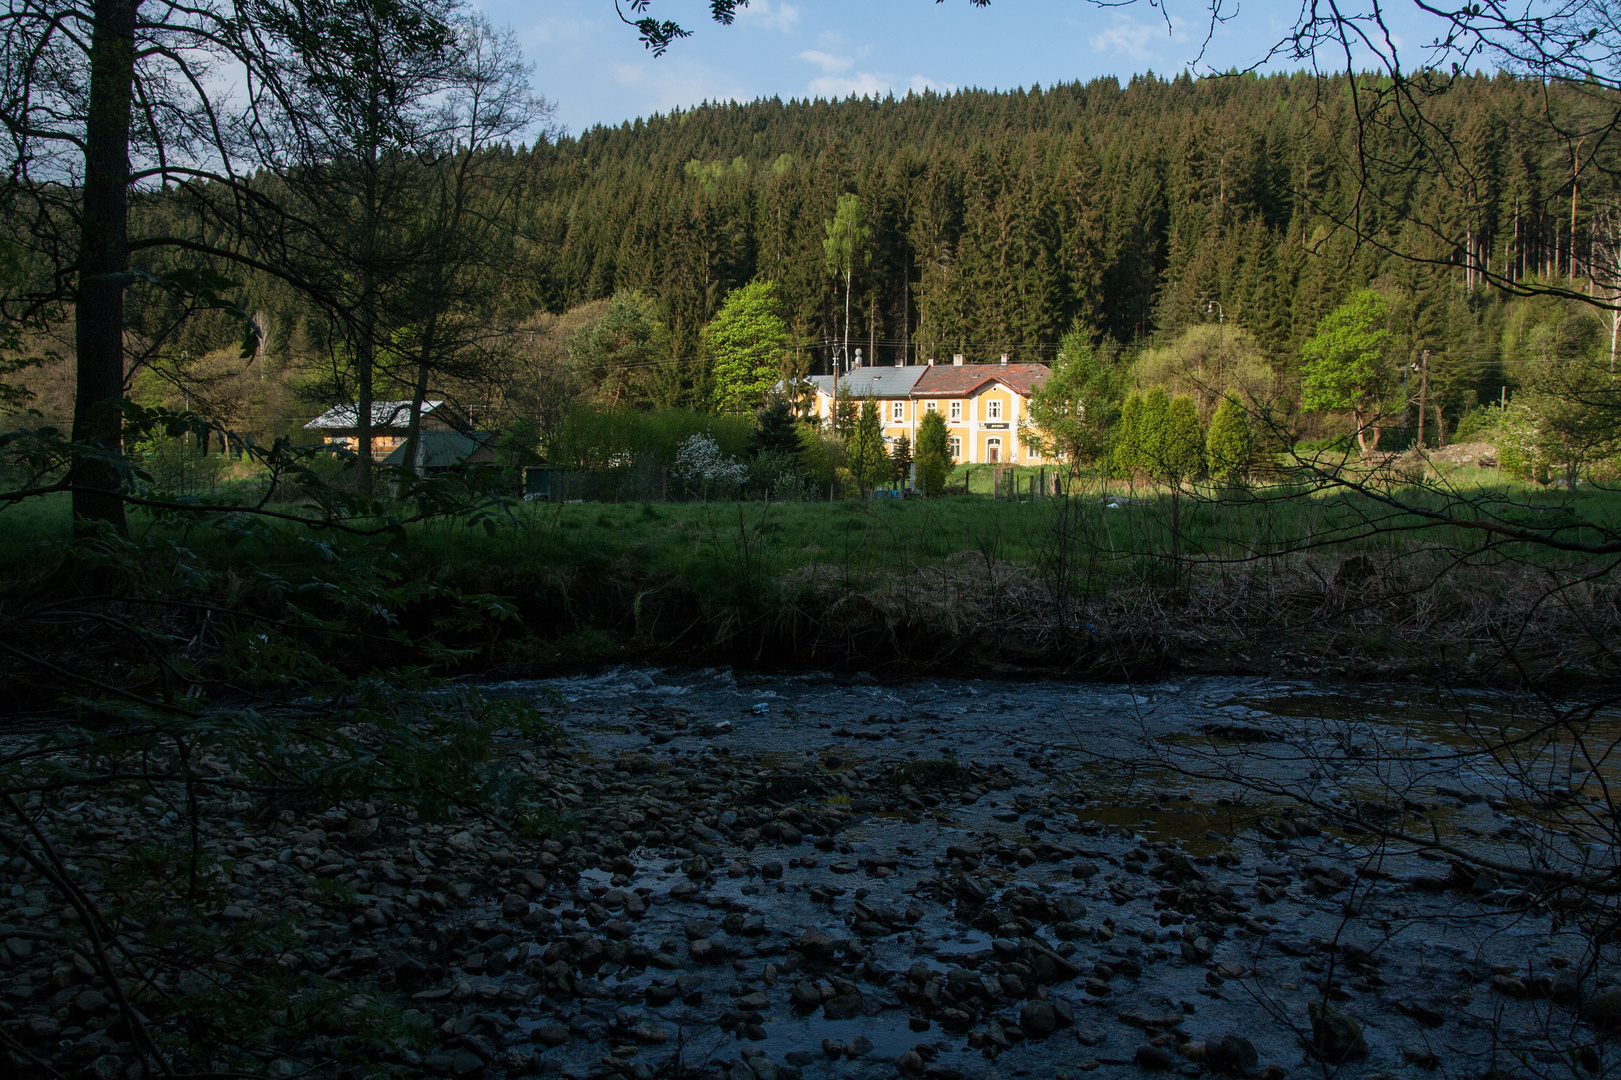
(846, 364)
(103, 258)
(1361, 434)
(365, 358)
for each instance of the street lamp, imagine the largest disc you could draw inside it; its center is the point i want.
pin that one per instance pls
(1213, 307)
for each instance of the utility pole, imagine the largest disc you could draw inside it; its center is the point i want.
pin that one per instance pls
(1423, 393)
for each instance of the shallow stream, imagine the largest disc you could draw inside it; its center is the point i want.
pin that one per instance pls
(1151, 838)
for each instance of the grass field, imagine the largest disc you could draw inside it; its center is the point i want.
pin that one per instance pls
(709, 544)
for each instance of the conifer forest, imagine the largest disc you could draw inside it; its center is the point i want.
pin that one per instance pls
(1111, 577)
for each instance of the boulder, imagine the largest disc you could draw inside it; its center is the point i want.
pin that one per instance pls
(1335, 1036)
(1038, 1019)
(1233, 1055)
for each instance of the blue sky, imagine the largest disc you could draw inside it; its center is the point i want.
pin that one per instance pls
(595, 70)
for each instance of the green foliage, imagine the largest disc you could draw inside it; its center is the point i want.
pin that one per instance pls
(1345, 368)
(1074, 409)
(746, 344)
(775, 430)
(625, 354)
(819, 455)
(1478, 425)
(901, 456)
(1229, 444)
(933, 454)
(844, 409)
(1565, 422)
(867, 458)
(1183, 442)
(1159, 436)
(1206, 362)
(1124, 457)
(846, 237)
(1151, 426)
(594, 439)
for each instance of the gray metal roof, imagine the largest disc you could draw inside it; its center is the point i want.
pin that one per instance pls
(442, 449)
(881, 382)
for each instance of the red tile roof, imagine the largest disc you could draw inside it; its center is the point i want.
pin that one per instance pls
(941, 380)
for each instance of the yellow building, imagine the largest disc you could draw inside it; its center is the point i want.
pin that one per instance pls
(983, 405)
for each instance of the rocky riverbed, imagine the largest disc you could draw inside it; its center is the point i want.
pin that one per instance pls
(776, 877)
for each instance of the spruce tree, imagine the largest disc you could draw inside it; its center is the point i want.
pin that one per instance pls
(868, 460)
(934, 459)
(775, 430)
(902, 457)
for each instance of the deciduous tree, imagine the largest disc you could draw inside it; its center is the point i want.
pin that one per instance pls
(1345, 368)
(746, 344)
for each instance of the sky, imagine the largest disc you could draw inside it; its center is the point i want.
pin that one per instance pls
(595, 70)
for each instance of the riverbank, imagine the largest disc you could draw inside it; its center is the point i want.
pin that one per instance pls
(1105, 588)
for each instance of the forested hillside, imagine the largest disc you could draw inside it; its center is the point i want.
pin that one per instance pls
(998, 219)
(993, 223)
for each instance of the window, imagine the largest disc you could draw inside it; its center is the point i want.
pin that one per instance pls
(956, 447)
(933, 406)
(993, 449)
(956, 410)
(897, 411)
(993, 410)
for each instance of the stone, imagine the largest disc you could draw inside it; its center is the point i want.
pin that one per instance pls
(771, 870)
(106, 1067)
(1037, 1019)
(1603, 1009)
(1233, 1055)
(815, 944)
(804, 995)
(649, 1034)
(463, 843)
(1154, 1058)
(553, 1034)
(860, 1046)
(514, 906)
(1421, 1056)
(910, 1063)
(90, 1001)
(1335, 1036)
(842, 1007)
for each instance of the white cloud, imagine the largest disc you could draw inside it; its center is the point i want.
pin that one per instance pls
(763, 13)
(664, 86)
(830, 64)
(920, 83)
(838, 80)
(862, 84)
(1131, 38)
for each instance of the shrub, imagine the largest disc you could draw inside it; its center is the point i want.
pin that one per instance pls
(1230, 444)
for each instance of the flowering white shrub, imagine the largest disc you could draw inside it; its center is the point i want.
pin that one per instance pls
(699, 461)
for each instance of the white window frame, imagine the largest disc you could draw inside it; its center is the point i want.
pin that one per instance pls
(993, 409)
(956, 410)
(933, 406)
(955, 442)
(994, 443)
(897, 411)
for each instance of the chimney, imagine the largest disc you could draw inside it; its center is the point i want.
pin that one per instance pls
(1004, 359)
(956, 359)
(931, 361)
